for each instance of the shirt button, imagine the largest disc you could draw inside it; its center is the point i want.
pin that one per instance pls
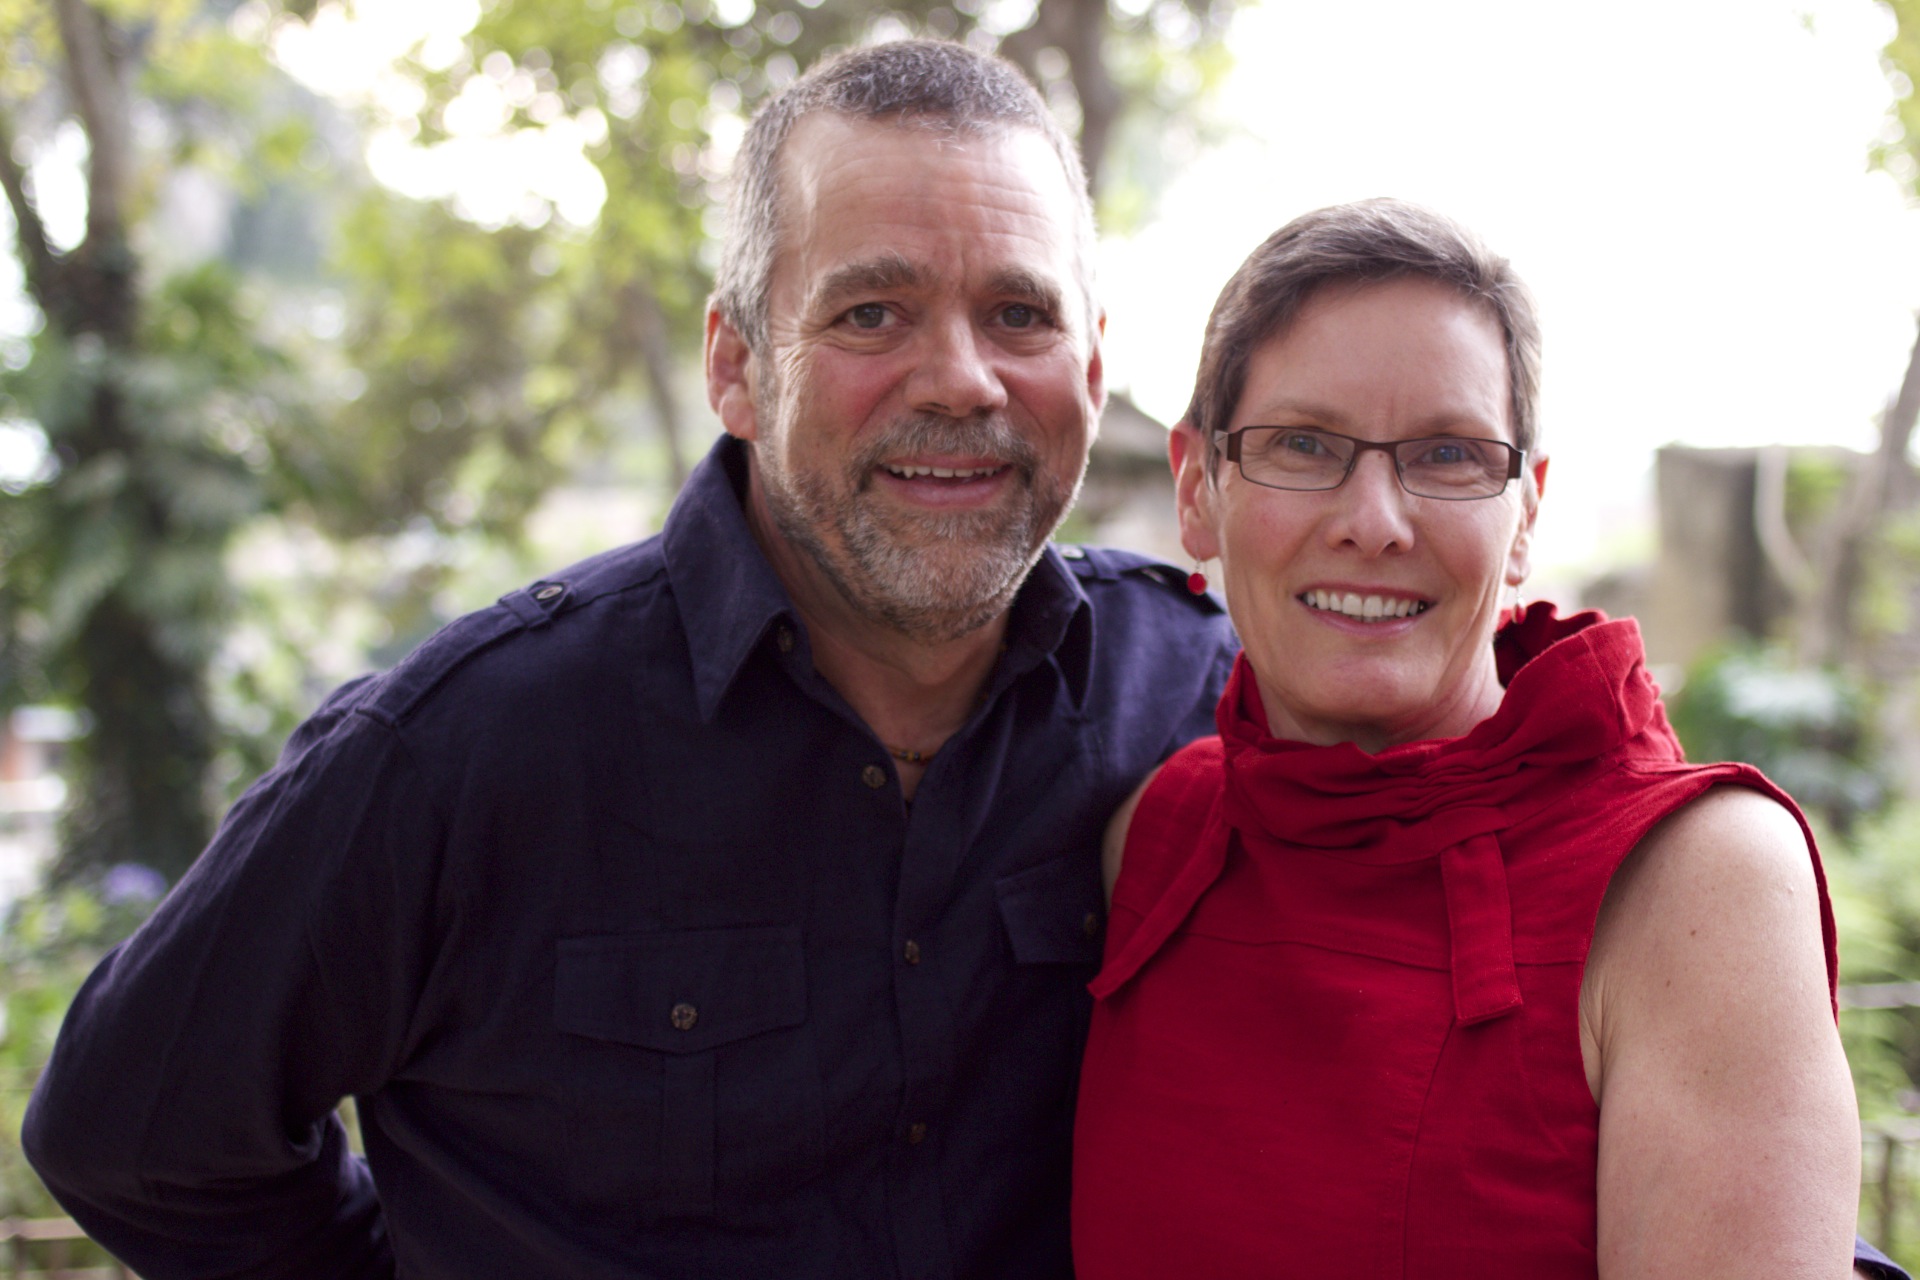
(911, 952)
(548, 593)
(784, 638)
(1072, 553)
(874, 776)
(1091, 925)
(683, 1016)
(916, 1134)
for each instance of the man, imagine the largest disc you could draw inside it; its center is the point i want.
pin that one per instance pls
(723, 906)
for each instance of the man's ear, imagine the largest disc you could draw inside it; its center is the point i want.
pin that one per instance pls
(1520, 555)
(1194, 498)
(1097, 368)
(730, 378)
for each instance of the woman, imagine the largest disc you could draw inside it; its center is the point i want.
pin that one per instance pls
(1439, 961)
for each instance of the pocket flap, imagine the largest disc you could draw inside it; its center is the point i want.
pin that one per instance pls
(1052, 913)
(681, 992)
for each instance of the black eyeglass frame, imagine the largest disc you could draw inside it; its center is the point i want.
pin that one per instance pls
(1516, 461)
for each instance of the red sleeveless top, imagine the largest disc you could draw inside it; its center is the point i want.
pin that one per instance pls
(1337, 1032)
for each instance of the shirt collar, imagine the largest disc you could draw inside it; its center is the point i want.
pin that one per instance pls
(729, 596)
(727, 593)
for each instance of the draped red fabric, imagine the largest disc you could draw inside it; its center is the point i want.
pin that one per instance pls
(1336, 1029)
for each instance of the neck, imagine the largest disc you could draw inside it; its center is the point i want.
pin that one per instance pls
(1454, 716)
(914, 692)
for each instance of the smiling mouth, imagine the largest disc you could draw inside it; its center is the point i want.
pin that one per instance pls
(943, 473)
(1364, 608)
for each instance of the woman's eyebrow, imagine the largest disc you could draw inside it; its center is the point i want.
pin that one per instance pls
(1445, 422)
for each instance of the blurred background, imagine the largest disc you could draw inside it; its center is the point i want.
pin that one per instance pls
(323, 322)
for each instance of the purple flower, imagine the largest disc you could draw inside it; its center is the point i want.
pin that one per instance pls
(130, 882)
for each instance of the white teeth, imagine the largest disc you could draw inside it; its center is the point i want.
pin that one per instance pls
(942, 473)
(1367, 609)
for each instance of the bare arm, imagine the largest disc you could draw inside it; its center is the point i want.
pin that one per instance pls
(1729, 1141)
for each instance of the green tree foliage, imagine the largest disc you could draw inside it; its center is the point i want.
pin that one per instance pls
(158, 400)
(474, 363)
(1899, 153)
(660, 87)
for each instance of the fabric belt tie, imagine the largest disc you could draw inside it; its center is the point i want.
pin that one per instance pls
(1480, 928)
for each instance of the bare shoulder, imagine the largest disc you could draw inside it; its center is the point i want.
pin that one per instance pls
(1732, 849)
(1728, 1143)
(1721, 895)
(1114, 847)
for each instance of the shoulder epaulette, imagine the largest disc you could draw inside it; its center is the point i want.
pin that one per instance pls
(396, 694)
(1110, 564)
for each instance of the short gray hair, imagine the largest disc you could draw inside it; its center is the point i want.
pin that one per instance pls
(1367, 241)
(931, 84)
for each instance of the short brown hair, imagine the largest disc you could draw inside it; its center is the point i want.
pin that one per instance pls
(1367, 241)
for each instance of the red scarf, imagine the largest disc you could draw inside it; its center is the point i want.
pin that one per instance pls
(1578, 693)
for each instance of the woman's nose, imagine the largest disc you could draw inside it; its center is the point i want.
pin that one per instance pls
(1371, 514)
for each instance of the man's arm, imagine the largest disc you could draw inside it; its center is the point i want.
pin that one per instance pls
(186, 1118)
(1728, 1140)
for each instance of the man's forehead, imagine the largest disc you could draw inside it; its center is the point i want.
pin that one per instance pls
(824, 145)
(829, 157)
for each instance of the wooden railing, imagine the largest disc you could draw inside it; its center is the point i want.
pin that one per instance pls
(40, 1249)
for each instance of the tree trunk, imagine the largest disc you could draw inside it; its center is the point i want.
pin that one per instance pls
(1829, 627)
(143, 765)
(646, 326)
(1078, 29)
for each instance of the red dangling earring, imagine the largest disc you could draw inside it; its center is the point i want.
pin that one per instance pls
(1197, 581)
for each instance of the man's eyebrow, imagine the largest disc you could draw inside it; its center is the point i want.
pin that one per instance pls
(876, 275)
(1028, 287)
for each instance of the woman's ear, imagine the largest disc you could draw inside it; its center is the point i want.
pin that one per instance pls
(1520, 555)
(1194, 496)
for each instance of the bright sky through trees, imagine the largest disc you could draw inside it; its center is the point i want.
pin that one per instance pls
(1684, 185)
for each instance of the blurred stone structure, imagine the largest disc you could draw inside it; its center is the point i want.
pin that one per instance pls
(1731, 563)
(1127, 498)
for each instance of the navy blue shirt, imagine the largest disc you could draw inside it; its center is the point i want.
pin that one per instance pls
(608, 911)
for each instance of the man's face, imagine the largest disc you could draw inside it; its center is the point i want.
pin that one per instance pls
(921, 419)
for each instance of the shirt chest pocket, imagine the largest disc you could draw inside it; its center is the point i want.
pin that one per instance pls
(693, 1084)
(1052, 913)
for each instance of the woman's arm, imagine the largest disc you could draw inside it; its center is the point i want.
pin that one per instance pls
(1729, 1140)
(1114, 846)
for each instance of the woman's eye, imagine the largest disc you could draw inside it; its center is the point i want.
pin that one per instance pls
(868, 315)
(1301, 442)
(1445, 453)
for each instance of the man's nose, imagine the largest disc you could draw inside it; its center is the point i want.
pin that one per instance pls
(1371, 513)
(955, 375)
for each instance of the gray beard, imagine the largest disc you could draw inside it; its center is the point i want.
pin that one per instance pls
(932, 577)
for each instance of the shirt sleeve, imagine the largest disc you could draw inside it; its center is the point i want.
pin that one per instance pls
(1869, 1261)
(186, 1118)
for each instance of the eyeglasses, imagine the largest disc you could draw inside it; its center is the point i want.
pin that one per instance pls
(1452, 468)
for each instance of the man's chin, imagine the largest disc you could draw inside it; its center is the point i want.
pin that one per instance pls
(942, 591)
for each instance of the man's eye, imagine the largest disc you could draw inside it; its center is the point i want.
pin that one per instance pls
(868, 315)
(1020, 316)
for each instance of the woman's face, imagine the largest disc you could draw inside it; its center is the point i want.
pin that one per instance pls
(1389, 361)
